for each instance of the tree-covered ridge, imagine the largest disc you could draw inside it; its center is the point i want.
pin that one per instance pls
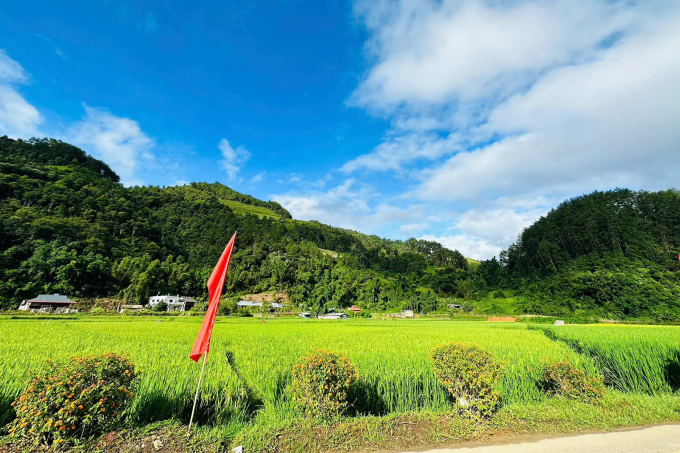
(52, 152)
(68, 226)
(612, 253)
(222, 192)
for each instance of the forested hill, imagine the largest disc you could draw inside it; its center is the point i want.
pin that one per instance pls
(68, 226)
(613, 253)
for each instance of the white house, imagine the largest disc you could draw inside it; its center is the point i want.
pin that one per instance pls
(248, 304)
(334, 316)
(174, 303)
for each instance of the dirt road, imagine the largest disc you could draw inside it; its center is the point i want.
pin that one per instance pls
(656, 439)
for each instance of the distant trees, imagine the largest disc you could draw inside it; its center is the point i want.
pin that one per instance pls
(68, 226)
(612, 254)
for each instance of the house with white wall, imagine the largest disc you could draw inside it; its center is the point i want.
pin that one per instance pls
(173, 302)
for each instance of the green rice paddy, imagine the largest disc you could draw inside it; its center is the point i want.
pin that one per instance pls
(391, 356)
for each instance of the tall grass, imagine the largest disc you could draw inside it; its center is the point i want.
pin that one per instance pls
(642, 359)
(391, 356)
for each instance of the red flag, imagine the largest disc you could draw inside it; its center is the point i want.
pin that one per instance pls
(215, 285)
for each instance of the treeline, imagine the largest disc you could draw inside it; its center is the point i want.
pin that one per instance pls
(611, 254)
(67, 226)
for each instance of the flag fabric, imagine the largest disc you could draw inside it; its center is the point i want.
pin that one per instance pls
(215, 285)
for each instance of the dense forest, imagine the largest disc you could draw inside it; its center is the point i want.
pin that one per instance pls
(68, 226)
(610, 254)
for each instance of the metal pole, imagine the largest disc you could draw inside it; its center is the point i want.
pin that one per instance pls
(205, 358)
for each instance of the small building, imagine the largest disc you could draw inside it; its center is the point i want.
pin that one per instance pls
(355, 309)
(407, 313)
(49, 303)
(248, 304)
(174, 303)
(334, 316)
(305, 315)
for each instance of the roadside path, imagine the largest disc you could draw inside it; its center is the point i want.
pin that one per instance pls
(656, 439)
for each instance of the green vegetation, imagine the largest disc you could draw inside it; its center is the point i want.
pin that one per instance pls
(470, 374)
(631, 359)
(88, 395)
(608, 254)
(246, 394)
(67, 226)
(322, 382)
(563, 380)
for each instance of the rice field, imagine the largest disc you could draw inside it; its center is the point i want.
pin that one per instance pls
(631, 358)
(391, 356)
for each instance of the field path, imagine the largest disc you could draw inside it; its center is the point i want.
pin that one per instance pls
(656, 439)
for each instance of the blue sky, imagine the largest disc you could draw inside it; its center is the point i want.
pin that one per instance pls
(456, 120)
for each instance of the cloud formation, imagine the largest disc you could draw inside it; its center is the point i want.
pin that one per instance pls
(120, 142)
(233, 158)
(18, 118)
(528, 100)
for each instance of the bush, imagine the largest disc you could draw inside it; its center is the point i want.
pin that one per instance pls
(86, 396)
(470, 374)
(160, 306)
(321, 382)
(563, 379)
(499, 295)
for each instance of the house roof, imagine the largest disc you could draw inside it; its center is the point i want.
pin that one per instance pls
(53, 299)
(247, 303)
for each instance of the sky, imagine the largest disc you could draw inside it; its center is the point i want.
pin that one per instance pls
(459, 121)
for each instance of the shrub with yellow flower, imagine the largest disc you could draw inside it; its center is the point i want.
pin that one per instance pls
(49, 401)
(321, 383)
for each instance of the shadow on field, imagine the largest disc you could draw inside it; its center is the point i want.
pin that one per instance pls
(673, 372)
(7, 413)
(365, 399)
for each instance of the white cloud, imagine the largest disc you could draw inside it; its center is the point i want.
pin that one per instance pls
(498, 109)
(396, 151)
(233, 159)
(257, 178)
(120, 142)
(606, 123)
(411, 229)
(432, 52)
(349, 205)
(470, 247)
(339, 206)
(18, 118)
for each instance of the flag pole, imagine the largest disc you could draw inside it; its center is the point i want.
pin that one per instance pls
(200, 379)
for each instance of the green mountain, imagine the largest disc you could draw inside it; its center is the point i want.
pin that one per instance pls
(67, 225)
(610, 254)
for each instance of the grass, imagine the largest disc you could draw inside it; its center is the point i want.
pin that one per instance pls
(497, 306)
(631, 358)
(243, 209)
(391, 356)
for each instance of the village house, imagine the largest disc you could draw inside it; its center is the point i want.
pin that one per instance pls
(355, 309)
(407, 313)
(251, 304)
(49, 303)
(174, 303)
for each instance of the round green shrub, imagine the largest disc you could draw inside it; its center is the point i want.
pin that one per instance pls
(85, 396)
(563, 379)
(321, 382)
(470, 374)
